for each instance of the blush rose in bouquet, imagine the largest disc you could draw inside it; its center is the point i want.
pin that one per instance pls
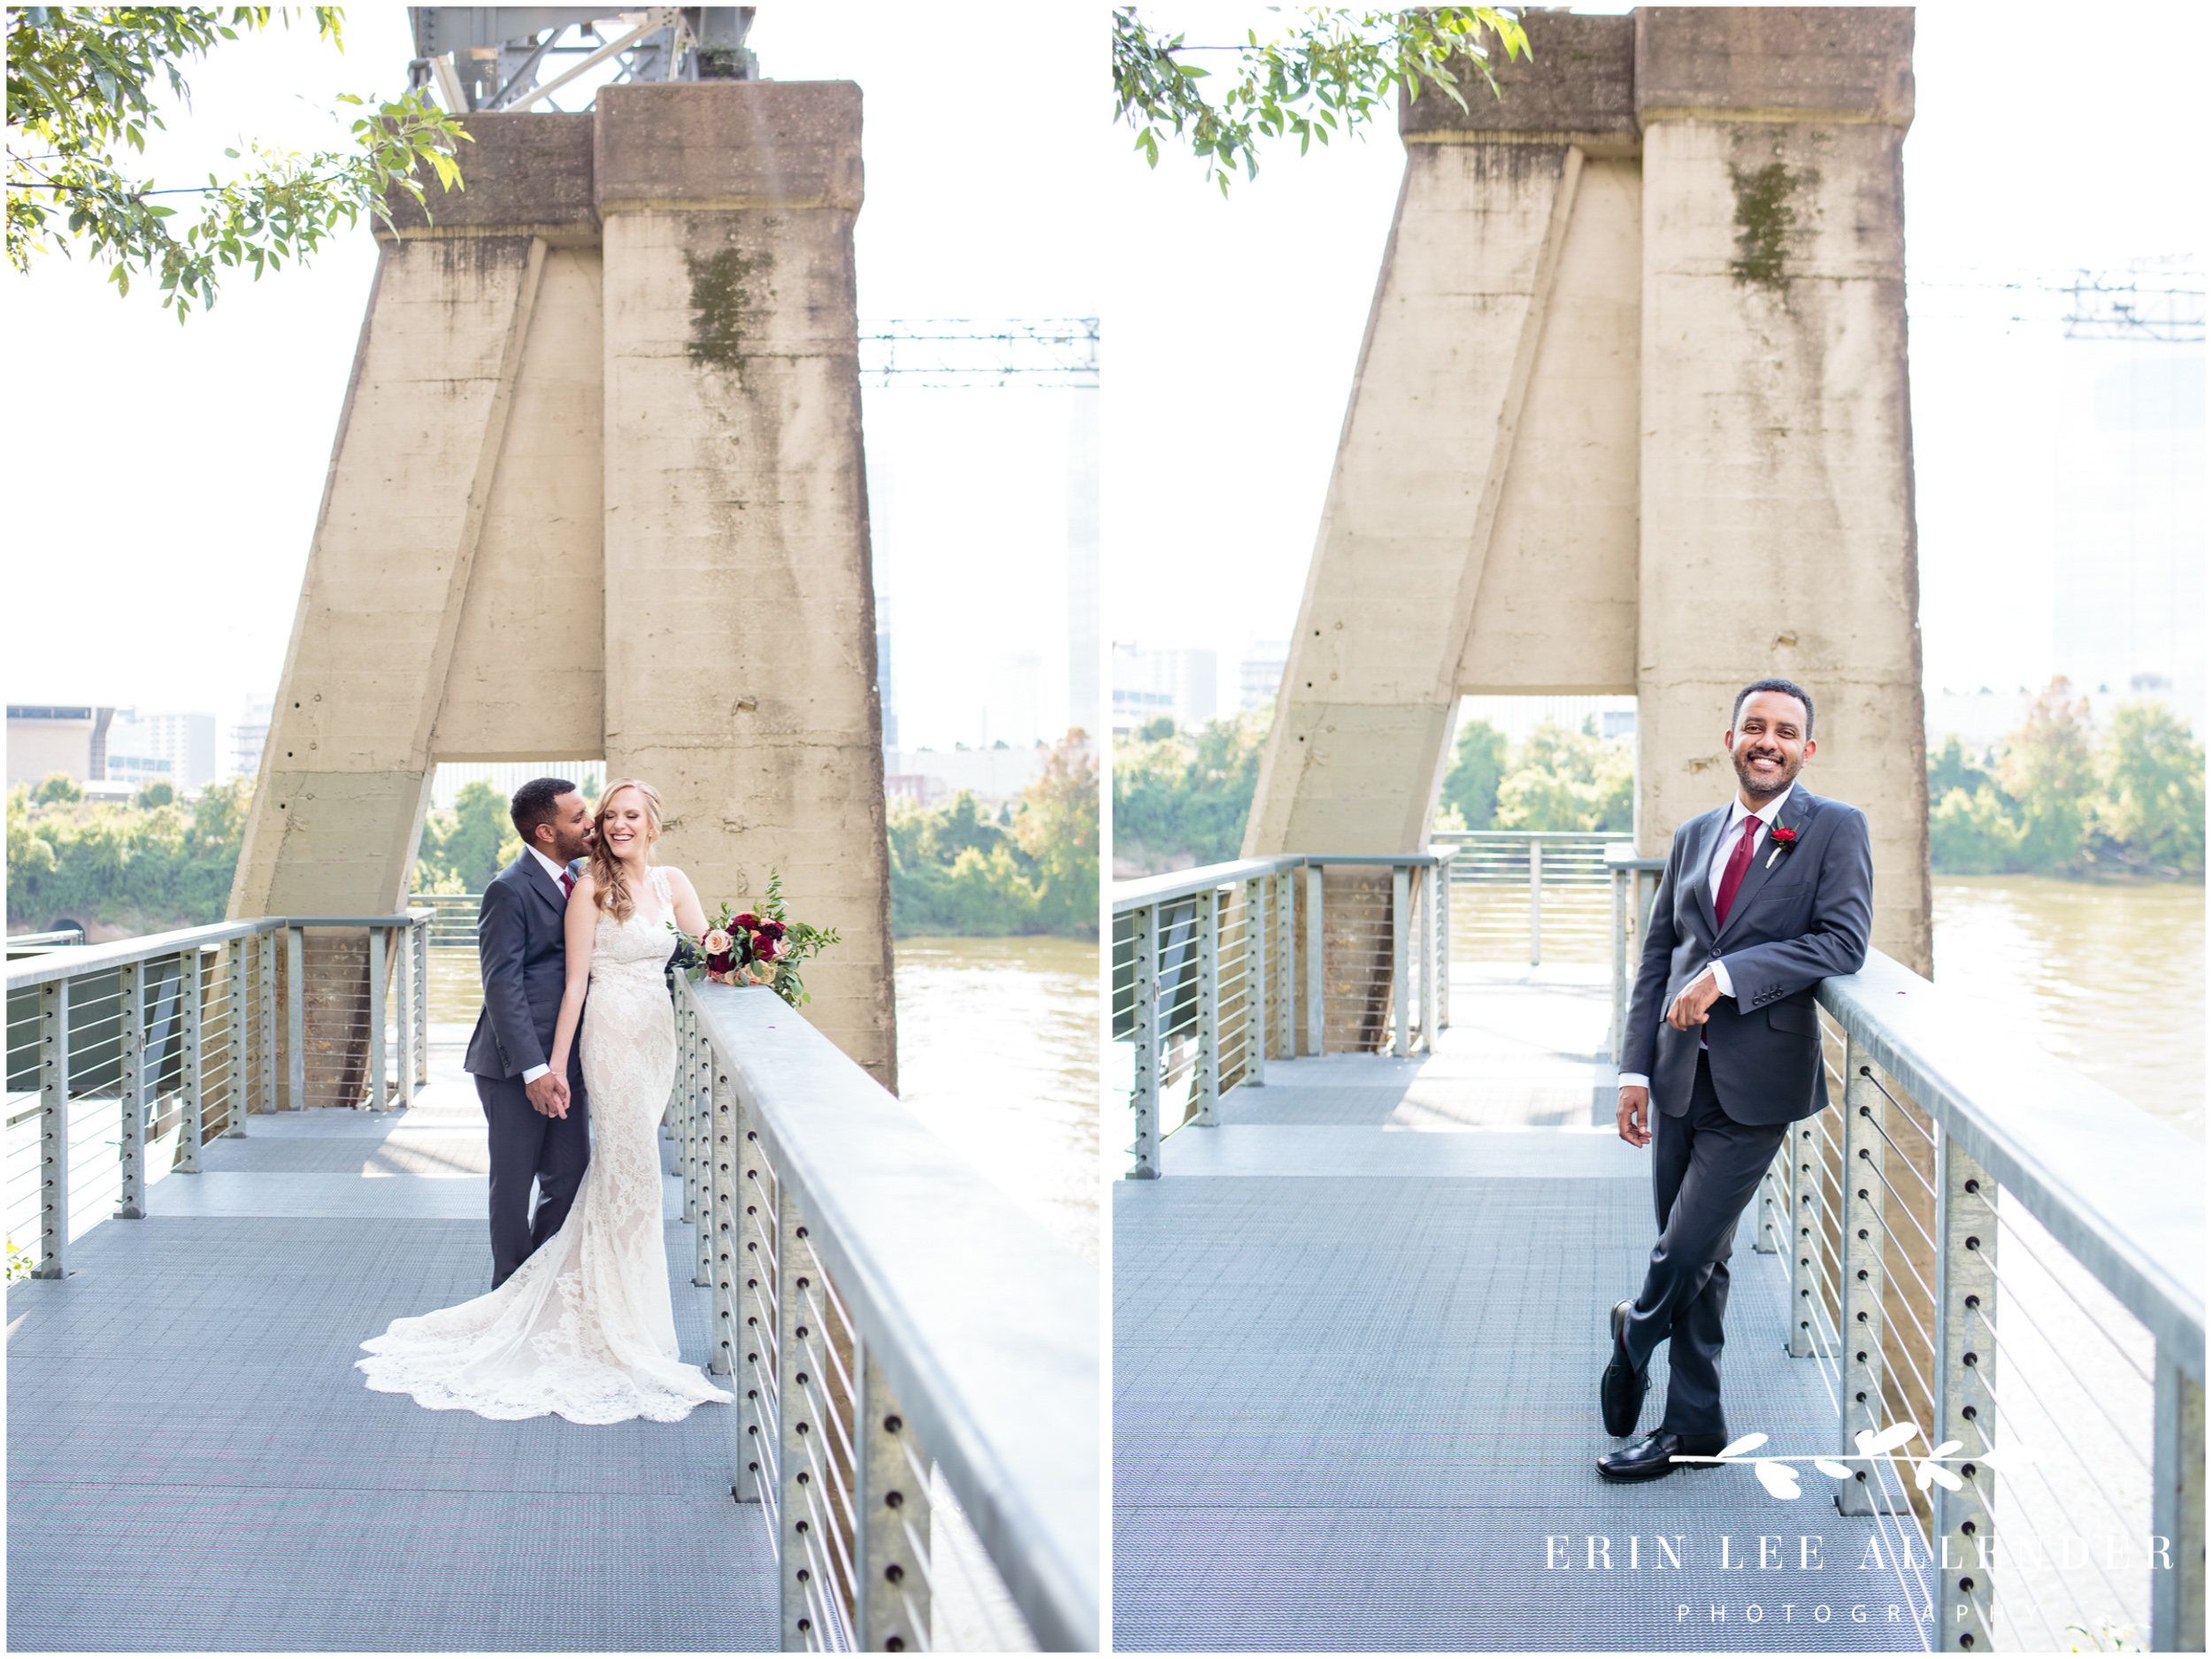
(762, 947)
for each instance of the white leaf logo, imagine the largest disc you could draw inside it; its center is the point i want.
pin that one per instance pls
(1888, 1440)
(1744, 1445)
(1778, 1479)
(1830, 1466)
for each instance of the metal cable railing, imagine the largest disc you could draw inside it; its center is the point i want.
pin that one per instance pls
(888, 1322)
(2005, 1252)
(1538, 894)
(125, 1059)
(1216, 971)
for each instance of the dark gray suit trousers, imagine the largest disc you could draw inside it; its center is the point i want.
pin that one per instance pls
(1705, 1168)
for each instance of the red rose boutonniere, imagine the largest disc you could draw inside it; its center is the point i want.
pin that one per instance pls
(1784, 839)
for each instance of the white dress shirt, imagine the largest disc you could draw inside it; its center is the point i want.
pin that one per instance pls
(1724, 849)
(532, 1073)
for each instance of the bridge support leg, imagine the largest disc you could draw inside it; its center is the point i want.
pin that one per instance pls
(1964, 1538)
(131, 1091)
(892, 1551)
(1144, 1018)
(53, 1130)
(2178, 1510)
(1866, 1407)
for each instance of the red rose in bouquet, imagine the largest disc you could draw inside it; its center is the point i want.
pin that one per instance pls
(756, 948)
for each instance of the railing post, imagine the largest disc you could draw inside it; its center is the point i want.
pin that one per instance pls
(1620, 961)
(755, 1381)
(1400, 998)
(296, 1014)
(1205, 1078)
(891, 1547)
(1966, 1384)
(53, 1129)
(1144, 1020)
(1285, 965)
(727, 1231)
(2177, 1508)
(1774, 1202)
(682, 1126)
(1535, 902)
(1316, 1003)
(1423, 944)
(1256, 982)
(240, 1011)
(1443, 902)
(1859, 1266)
(422, 996)
(409, 994)
(377, 940)
(700, 1084)
(266, 999)
(1804, 1147)
(131, 1093)
(806, 1588)
(190, 1085)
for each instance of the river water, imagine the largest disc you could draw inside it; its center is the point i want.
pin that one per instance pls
(998, 1053)
(2107, 978)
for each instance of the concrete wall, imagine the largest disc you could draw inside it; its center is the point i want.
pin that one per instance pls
(597, 491)
(1632, 415)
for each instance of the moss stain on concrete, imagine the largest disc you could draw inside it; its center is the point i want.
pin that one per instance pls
(720, 301)
(1764, 219)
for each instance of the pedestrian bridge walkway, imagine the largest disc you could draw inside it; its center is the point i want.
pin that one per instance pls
(1357, 1332)
(194, 1462)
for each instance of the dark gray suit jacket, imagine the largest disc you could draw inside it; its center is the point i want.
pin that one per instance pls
(521, 949)
(1796, 921)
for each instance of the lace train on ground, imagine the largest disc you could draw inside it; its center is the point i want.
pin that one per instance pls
(584, 1328)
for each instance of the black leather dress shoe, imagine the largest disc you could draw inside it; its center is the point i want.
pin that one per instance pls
(1652, 1456)
(1621, 1389)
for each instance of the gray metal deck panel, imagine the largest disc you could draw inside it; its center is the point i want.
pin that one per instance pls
(1356, 1378)
(193, 1464)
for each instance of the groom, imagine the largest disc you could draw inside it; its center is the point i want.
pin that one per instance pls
(537, 1121)
(1762, 900)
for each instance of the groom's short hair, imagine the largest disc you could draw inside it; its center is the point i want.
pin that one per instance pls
(532, 805)
(1788, 688)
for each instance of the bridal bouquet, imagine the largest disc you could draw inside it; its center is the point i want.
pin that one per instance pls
(754, 947)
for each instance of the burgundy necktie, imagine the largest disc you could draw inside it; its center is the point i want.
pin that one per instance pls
(568, 883)
(1732, 878)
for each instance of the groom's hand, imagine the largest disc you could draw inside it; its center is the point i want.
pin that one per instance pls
(549, 1094)
(1633, 1115)
(1690, 1008)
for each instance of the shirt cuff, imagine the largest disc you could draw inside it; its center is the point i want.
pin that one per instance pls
(1719, 970)
(532, 1073)
(1633, 1079)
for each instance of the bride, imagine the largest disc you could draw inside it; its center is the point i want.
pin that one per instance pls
(584, 1327)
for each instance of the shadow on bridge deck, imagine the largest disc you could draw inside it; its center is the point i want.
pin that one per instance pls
(193, 1464)
(1358, 1334)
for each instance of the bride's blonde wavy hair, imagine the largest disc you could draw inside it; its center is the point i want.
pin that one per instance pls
(611, 886)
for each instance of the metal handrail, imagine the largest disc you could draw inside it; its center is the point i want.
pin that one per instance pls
(1181, 883)
(2120, 1190)
(74, 961)
(984, 1327)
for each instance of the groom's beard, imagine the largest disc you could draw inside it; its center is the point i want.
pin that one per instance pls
(568, 849)
(1780, 779)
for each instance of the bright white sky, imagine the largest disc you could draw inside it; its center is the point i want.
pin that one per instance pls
(165, 480)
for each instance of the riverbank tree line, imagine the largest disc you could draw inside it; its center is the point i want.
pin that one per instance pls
(155, 862)
(2061, 795)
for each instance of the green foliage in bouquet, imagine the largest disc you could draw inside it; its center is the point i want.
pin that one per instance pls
(754, 947)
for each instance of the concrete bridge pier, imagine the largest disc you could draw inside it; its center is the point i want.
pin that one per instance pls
(1631, 416)
(598, 492)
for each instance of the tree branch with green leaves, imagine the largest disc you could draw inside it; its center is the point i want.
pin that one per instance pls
(1327, 75)
(82, 87)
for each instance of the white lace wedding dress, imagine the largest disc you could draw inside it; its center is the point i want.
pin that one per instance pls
(584, 1327)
